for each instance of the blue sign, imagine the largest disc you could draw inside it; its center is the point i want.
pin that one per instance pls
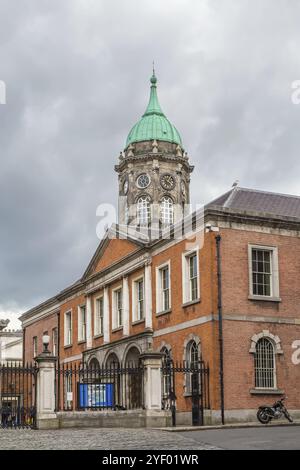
(96, 395)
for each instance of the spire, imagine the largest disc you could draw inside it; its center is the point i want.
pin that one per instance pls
(153, 125)
(153, 105)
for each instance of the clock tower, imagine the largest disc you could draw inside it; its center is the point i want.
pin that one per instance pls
(154, 171)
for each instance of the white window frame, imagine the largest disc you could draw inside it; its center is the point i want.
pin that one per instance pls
(115, 311)
(35, 346)
(135, 300)
(68, 338)
(274, 375)
(186, 284)
(159, 288)
(274, 285)
(54, 341)
(81, 325)
(98, 330)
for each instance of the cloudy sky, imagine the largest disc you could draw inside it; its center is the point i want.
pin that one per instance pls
(77, 77)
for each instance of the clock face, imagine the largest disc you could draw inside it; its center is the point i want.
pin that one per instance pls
(125, 187)
(167, 182)
(143, 181)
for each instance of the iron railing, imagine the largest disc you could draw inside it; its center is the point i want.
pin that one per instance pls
(80, 387)
(18, 395)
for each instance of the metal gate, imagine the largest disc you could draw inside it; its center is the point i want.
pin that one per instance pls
(193, 380)
(18, 396)
(112, 388)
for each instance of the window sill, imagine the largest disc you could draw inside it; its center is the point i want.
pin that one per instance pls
(138, 322)
(67, 346)
(115, 330)
(163, 312)
(265, 298)
(98, 336)
(266, 391)
(187, 394)
(190, 303)
(82, 341)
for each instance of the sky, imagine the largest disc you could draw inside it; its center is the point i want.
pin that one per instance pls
(77, 78)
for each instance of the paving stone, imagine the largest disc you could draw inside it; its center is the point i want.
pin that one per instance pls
(97, 439)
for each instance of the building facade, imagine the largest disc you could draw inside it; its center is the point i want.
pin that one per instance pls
(11, 344)
(220, 284)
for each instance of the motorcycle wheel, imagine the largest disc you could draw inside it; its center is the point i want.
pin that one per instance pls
(288, 416)
(263, 417)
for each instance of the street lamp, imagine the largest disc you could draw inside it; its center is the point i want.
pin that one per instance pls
(46, 341)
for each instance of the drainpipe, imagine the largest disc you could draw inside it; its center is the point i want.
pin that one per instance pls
(220, 318)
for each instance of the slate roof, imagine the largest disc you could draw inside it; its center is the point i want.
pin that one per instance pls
(259, 201)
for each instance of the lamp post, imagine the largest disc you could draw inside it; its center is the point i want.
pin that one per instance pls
(46, 341)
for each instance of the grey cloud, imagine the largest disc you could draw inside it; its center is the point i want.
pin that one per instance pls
(77, 79)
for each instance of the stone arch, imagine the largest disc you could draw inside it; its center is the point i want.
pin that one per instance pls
(165, 346)
(111, 358)
(132, 355)
(186, 345)
(94, 363)
(188, 341)
(266, 334)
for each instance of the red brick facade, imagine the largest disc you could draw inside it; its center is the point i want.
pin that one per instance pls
(242, 317)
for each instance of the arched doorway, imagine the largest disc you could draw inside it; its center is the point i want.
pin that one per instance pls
(94, 364)
(113, 376)
(134, 379)
(132, 358)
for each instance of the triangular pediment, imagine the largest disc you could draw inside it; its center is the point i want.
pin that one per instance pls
(113, 248)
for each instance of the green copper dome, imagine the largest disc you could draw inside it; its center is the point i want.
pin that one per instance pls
(153, 125)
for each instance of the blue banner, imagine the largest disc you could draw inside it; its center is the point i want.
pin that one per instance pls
(96, 395)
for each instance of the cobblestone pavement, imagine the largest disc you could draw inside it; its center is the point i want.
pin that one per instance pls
(98, 439)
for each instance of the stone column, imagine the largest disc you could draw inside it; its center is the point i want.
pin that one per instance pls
(152, 380)
(106, 327)
(89, 341)
(45, 392)
(148, 296)
(125, 306)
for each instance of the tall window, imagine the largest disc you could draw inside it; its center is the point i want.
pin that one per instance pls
(264, 364)
(118, 308)
(167, 378)
(35, 346)
(82, 323)
(68, 328)
(165, 288)
(54, 341)
(143, 210)
(193, 276)
(99, 315)
(192, 358)
(163, 301)
(261, 272)
(139, 313)
(166, 210)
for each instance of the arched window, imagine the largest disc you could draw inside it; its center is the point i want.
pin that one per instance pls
(143, 210)
(166, 211)
(192, 359)
(264, 364)
(167, 374)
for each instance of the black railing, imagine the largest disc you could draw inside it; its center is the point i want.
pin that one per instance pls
(190, 378)
(80, 388)
(18, 395)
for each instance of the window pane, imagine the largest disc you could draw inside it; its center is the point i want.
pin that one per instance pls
(261, 272)
(264, 364)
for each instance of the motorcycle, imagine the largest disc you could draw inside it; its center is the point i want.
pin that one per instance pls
(265, 414)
